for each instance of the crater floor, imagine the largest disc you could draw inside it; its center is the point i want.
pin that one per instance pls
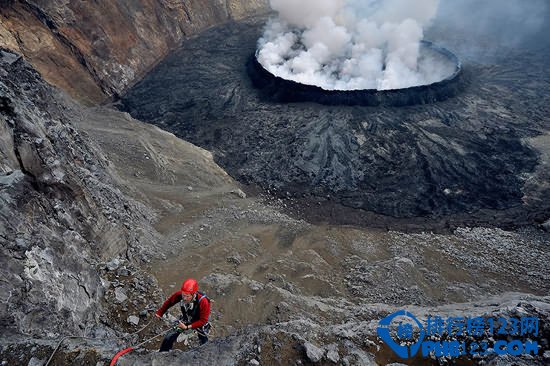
(477, 158)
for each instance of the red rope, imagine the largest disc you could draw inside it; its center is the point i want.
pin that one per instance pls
(123, 352)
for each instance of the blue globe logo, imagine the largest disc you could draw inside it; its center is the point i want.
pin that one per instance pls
(384, 333)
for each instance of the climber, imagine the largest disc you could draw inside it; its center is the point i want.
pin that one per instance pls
(195, 307)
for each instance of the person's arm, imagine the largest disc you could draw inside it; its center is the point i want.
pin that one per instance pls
(171, 301)
(204, 313)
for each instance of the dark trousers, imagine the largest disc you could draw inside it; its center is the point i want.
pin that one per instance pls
(172, 335)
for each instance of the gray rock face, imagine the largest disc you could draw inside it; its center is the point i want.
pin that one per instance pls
(332, 354)
(120, 295)
(60, 213)
(314, 353)
(113, 264)
(132, 319)
(36, 362)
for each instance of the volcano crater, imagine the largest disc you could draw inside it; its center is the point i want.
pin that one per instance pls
(283, 90)
(461, 159)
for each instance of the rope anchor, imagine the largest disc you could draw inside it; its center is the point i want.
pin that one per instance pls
(126, 350)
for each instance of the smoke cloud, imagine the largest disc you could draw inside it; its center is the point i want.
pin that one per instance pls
(351, 44)
(476, 29)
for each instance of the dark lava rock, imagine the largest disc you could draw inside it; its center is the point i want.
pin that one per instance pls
(464, 157)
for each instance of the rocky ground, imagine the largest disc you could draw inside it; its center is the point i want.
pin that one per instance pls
(278, 282)
(103, 216)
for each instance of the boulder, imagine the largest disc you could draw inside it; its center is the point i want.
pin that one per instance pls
(132, 319)
(314, 353)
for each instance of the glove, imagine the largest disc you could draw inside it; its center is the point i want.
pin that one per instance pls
(180, 327)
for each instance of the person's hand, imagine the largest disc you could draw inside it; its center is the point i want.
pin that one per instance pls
(158, 316)
(183, 326)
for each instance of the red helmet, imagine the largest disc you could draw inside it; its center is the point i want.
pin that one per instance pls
(190, 286)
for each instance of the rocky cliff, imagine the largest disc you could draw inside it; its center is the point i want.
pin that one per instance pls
(60, 212)
(95, 49)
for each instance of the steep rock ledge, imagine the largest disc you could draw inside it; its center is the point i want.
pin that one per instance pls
(60, 212)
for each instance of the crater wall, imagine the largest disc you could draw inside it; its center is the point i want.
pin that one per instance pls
(95, 49)
(286, 91)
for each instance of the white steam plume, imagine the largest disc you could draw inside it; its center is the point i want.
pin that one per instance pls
(350, 44)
